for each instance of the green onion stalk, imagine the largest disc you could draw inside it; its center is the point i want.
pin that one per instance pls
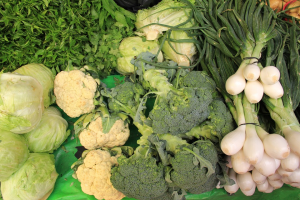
(282, 110)
(238, 29)
(286, 121)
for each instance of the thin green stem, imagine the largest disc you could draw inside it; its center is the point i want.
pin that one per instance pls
(249, 117)
(239, 108)
(231, 107)
(276, 106)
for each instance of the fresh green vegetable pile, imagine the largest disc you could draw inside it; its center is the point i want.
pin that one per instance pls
(170, 158)
(206, 100)
(62, 33)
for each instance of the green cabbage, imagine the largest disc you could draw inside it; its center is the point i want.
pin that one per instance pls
(44, 75)
(181, 50)
(133, 46)
(49, 134)
(13, 153)
(33, 181)
(152, 22)
(21, 103)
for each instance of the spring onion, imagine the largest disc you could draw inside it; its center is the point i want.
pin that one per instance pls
(269, 75)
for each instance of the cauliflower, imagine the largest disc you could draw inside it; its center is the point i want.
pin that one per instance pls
(94, 175)
(75, 92)
(100, 128)
(93, 137)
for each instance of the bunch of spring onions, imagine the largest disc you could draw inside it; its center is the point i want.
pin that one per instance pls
(238, 38)
(242, 28)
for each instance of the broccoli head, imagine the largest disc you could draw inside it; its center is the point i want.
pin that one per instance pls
(127, 94)
(139, 176)
(181, 103)
(209, 184)
(173, 193)
(194, 164)
(217, 125)
(195, 79)
(190, 165)
(181, 110)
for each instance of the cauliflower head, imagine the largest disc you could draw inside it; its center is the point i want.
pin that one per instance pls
(94, 175)
(75, 92)
(93, 137)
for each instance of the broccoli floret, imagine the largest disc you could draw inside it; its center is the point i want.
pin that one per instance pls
(220, 117)
(196, 79)
(139, 176)
(209, 185)
(128, 97)
(127, 93)
(186, 175)
(217, 125)
(177, 111)
(191, 164)
(172, 193)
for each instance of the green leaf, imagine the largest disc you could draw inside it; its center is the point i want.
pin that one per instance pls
(94, 13)
(39, 52)
(46, 2)
(60, 22)
(107, 6)
(121, 18)
(108, 122)
(128, 14)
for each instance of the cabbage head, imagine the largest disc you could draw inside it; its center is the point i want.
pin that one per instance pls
(13, 153)
(182, 49)
(131, 47)
(154, 21)
(49, 134)
(44, 75)
(33, 181)
(21, 103)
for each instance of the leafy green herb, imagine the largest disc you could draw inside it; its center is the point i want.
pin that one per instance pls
(62, 33)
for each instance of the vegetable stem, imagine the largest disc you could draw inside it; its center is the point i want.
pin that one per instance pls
(239, 109)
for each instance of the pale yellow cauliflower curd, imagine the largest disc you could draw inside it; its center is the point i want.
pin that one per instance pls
(74, 92)
(93, 137)
(94, 175)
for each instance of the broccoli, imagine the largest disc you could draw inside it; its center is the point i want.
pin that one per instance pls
(127, 93)
(217, 125)
(173, 193)
(128, 97)
(196, 79)
(140, 176)
(176, 110)
(209, 184)
(191, 165)
(190, 171)
(178, 113)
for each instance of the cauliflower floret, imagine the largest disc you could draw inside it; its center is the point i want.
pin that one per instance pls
(74, 92)
(94, 175)
(93, 137)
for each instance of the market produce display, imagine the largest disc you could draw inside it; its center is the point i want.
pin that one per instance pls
(155, 100)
